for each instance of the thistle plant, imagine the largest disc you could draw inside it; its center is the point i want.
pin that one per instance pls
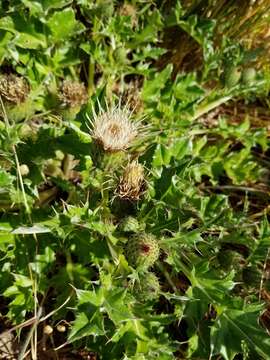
(113, 244)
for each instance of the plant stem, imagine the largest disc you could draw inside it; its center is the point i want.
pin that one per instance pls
(208, 107)
(91, 73)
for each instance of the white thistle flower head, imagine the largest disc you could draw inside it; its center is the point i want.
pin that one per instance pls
(113, 128)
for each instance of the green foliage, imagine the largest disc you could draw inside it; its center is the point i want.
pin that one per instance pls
(70, 247)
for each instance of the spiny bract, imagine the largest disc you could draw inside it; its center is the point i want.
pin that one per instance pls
(113, 128)
(142, 250)
(147, 288)
(129, 224)
(132, 183)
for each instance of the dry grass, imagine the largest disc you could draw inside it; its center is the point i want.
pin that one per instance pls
(244, 21)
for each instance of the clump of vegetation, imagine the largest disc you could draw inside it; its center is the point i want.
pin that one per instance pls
(134, 180)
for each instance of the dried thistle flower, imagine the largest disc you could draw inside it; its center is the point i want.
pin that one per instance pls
(14, 89)
(113, 128)
(132, 183)
(72, 94)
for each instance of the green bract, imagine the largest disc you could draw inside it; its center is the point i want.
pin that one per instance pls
(130, 224)
(142, 250)
(147, 288)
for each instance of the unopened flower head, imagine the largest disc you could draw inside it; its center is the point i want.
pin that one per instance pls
(142, 250)
(73, 94)
(132, 183)
(113, 128)
(13, 88)
(148, 288)
(130, 224)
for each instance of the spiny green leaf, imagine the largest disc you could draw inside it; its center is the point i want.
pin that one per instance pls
(236, 325)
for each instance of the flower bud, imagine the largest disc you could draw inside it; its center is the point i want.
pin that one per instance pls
(24, 169)
(248, 76)
(129, 224)
(148, 288)
(232, 76)
(142, 250)
(47, 330)
(61, 328)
